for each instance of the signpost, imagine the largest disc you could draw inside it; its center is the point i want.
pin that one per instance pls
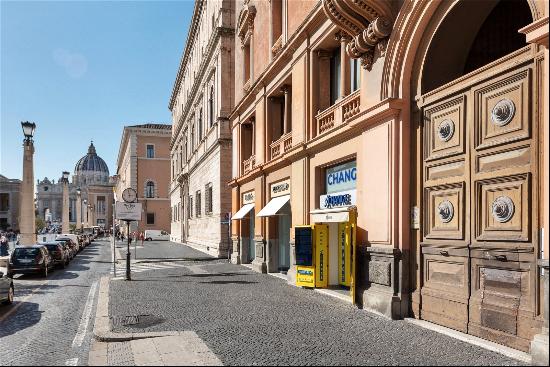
(128, 211)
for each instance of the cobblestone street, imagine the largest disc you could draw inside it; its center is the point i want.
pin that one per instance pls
(247, 318)
(49, 322)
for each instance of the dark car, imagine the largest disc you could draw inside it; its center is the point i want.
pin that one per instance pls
(30, 259)
(6, 289)
(58, 254)
(67, 248)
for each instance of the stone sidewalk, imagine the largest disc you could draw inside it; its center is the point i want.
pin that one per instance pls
(186, 349)
(247, 318)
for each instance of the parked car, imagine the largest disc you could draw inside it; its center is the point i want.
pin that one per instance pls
(73, 248)
(156, 235)
(7, 290)
(58, 254)
(72, 237)
(30, 259)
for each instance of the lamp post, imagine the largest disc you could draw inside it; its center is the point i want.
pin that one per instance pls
(27, 219)
(85, 202)
(78, 209)
(65, 212)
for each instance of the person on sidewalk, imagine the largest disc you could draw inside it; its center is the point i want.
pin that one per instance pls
(141, 237)
(4, 246)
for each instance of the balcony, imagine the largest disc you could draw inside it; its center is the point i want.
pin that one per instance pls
(248, 165)
(338, 113)
(281, 145)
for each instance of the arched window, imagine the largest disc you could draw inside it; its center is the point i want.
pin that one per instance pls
(150, 189)
(211, 107)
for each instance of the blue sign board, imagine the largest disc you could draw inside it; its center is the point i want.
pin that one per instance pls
(341, 178)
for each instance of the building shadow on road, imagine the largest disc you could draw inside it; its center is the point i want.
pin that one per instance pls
(27, 316)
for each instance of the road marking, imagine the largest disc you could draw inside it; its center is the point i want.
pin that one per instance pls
(23, 301)
(85, 320)
(71, 362)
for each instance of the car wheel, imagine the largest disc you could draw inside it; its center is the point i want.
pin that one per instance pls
(11, 294)
(149, 239)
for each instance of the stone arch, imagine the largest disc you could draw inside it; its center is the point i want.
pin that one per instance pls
(414, 29)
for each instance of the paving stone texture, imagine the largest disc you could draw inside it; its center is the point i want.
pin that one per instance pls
(247, 318)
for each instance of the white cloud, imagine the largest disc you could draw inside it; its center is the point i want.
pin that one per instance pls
(75, 64)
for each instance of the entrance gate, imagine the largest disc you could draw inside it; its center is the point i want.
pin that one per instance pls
(480, 202)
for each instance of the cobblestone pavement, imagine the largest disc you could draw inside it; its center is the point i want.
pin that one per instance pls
(247, 318)
(46, 324)
(160, 250)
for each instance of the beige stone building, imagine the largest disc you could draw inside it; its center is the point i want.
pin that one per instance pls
(9, 203)
(412, 138)
(201, 101)
(143, 164)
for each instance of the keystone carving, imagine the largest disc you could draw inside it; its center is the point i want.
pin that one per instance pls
(368, 23)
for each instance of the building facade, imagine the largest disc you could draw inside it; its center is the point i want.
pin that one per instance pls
(144, 164)
(410, 136)
(9, 203)
(91, 177)
(201, 101)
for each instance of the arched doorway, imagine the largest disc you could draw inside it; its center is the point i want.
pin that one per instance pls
(478, 127)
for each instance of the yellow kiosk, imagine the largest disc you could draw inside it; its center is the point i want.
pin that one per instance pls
(326, 250)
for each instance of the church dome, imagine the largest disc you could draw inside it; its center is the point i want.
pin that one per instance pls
(92, 167)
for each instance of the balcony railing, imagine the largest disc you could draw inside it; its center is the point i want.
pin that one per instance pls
(281, 145)
(249, 164)
(338, 113)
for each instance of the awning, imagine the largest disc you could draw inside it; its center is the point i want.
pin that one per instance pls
(336, 215)
(243, 211)
(273, 207)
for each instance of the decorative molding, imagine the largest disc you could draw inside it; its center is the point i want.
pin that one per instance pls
(446, 211)
(245, 23)
(367, 24)
(503, 112)
(446, 130)
(503, 209)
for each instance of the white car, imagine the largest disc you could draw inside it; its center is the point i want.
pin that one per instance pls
(156, 235)
(72, 237)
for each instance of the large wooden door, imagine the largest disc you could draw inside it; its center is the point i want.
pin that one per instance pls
(479, 207)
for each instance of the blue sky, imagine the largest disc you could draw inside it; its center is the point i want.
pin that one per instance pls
(82, 70)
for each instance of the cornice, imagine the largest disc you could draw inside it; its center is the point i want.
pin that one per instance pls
(203, 68)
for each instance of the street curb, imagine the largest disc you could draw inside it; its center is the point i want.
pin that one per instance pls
(102, 329)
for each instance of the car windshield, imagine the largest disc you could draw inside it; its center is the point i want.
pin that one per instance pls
(26, 253)
(52, 247)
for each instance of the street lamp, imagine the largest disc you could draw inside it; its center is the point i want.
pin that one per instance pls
(28, 129)
(27, 224)
(65, 212)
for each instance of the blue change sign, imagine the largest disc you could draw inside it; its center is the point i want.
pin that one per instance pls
(341, 178)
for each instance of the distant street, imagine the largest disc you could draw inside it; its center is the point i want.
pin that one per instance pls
(51, 319)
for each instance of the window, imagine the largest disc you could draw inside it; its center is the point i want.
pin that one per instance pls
(208, 205)
(355, 75)
(101, 205)
(246, 67)
(211, 107)
(192, 138)
(150, 189)
(150, 151)
(150, 218)
(276, 21)
(190, 207)
(198, 204)
(199, 122)
(335, 76)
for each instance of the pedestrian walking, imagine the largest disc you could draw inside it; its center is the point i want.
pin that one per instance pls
(141, 237)
(4, 246)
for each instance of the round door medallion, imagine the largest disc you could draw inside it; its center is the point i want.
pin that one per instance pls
(446, 130)
(503, 112)
(446, 211)
(503, 209)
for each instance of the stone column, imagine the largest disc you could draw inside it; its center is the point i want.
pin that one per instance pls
(537, 33)
(345, 82)
(78, 211)
(65, 210)
(286, 117)
(27, 221)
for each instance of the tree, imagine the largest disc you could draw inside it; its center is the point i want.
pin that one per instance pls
(39, 224)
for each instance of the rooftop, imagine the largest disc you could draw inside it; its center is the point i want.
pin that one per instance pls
(153, 126)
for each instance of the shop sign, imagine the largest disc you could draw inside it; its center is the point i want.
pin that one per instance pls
(341, 178)
(338, 199)
(280, 188)
(128, 211)
(249, 197)
(305, 276)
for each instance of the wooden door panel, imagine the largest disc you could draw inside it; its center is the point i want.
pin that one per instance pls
(445, 212)
(446, 286)
(445, 129)
(513, 157)
(502, 110)
(502, 297)
(502, 207)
